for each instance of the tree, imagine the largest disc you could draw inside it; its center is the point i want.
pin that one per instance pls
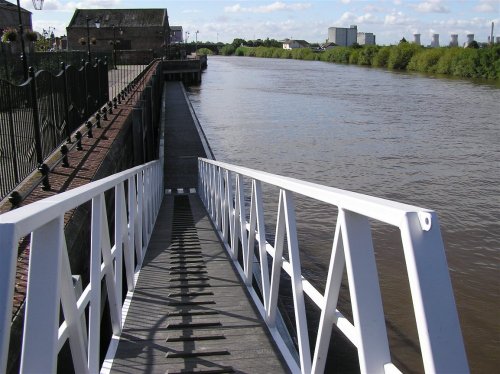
(238, 43)
(402, 41)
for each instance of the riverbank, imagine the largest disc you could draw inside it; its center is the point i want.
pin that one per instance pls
(458, 62)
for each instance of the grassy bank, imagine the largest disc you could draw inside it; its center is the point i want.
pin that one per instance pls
(454, 61)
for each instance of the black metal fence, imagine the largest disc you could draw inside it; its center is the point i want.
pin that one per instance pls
(146, 119)
(41, 113)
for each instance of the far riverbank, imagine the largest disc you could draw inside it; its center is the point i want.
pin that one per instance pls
(452, 61)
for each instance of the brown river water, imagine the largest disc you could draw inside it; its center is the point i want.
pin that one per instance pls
(422, 140)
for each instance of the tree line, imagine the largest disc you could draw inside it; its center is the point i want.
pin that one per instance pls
(474, 62)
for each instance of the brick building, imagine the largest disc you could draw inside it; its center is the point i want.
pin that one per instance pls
(133, 29)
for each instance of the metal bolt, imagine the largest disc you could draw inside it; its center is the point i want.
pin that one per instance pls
(44, 170)
(64, 151)
(114, 101)
(98, 120)
(110, 105)
(78, 137)
(89, 128)
(15, 199)
(104, 114)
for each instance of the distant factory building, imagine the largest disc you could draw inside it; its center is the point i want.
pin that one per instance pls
(348, 36)
(343, 36)
(366, 38)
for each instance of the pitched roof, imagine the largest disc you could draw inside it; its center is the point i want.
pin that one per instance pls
(10, 6)
(121, 17)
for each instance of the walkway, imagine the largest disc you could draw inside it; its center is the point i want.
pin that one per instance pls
(190, 312)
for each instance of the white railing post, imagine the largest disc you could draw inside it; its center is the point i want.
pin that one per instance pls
(230, 205)
(297, 289)
(95, 286)
(119, 239)
(368, 314)
(8, 253)
(218, 221)
(224, 206)
(139, 218)
(41, 323)
(257, 222)
(279, 240)
(76, 325)
(330, 299)
(434, 305)
(113, 299)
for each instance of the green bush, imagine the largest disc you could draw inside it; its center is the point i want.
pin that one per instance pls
(227, 50)
(400, 55)
(366, 54)
(426, 60)
(354, 56)
(465, 64)
(382, 56)
(204, 52)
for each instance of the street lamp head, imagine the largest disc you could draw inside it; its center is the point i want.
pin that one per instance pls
(97, 23)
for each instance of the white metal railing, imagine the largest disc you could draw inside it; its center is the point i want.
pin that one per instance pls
(50, 281)
(221, 187)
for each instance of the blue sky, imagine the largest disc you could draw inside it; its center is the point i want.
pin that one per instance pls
(389, 20)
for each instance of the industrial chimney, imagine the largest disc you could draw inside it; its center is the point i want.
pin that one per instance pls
(435, 40)
(454, 40)
(416, 39)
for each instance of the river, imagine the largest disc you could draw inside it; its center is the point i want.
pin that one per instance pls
(426, 141)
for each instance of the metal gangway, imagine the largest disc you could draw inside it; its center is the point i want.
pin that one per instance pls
(119, 241)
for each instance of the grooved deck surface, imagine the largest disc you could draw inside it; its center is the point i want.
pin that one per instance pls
(183, 145)
(190, 313)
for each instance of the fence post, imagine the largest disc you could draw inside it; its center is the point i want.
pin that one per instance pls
(66, 106)
(12, 135)
(99, 93)
(36, 119)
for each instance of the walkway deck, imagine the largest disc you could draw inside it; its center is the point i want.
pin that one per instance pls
(190, 313)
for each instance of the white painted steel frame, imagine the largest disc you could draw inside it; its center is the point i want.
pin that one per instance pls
(50, 280)
(433, 301)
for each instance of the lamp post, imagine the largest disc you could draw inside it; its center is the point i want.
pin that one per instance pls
(21, 33)
(97, 25)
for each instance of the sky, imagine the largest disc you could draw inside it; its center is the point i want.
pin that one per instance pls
(223, 21)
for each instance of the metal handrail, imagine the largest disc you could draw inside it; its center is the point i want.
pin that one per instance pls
(138, 193)
(221, 188)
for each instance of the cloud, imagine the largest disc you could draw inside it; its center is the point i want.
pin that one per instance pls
(397, 18)
(431, 6)
(345, 1)
(352, 18)
(373, 8)
(71, 6)
(274, 7)
(488, 6)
